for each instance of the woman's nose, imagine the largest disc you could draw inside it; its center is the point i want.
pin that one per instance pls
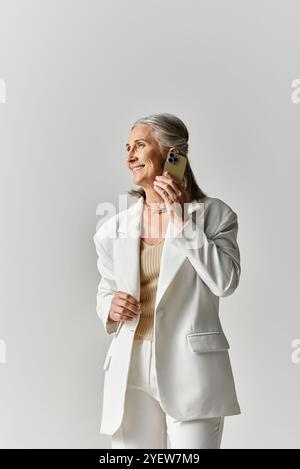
(131, 156)
(129, 159)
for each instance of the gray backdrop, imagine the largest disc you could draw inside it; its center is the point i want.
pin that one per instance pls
(77, 74)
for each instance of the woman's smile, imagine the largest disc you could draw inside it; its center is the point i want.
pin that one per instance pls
(138, 168)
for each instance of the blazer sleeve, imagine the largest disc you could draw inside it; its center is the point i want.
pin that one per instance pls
(217, 260)
(106, 287)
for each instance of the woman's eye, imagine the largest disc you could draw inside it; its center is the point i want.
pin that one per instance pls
(137, 144)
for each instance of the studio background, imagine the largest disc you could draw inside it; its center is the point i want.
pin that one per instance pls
(77, 75)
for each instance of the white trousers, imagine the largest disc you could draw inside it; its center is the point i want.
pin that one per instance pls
(145, 425)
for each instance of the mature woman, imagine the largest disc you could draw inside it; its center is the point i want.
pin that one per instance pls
(164, 263)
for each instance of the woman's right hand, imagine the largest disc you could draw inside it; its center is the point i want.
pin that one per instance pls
(124, 307)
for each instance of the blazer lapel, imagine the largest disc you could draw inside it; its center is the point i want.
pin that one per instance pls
(127, 246)
(127, 254)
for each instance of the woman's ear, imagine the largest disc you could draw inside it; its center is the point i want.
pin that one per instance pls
(174, 149)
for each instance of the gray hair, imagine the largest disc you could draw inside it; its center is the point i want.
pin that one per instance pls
(170, 131)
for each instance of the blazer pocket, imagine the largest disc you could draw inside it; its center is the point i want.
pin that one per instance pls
(200, 342)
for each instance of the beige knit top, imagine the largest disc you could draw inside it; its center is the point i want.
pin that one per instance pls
(150, 256)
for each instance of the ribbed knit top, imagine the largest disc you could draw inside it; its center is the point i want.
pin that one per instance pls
(150, 256)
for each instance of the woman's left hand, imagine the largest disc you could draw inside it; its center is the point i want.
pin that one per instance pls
(172, 192)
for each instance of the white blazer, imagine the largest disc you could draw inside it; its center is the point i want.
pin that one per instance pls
(194, 374)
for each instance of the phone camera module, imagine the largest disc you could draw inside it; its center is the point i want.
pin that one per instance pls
(173, 159)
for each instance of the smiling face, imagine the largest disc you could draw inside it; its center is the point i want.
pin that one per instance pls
(144, 152)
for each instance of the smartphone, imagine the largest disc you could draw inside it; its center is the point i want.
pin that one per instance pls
(175, 163)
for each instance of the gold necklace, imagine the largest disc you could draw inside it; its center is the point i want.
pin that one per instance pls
(156, 210)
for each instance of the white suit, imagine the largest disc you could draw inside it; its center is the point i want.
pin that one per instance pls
(193, 367)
